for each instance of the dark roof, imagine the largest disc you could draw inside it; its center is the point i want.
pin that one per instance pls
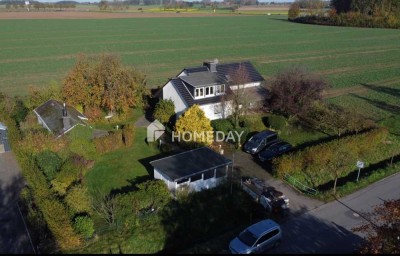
(229, 69)
(51, 113)
(189, 163)
(203, 78)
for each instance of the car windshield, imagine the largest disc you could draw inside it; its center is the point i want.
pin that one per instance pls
(255, 140)
(247, 238)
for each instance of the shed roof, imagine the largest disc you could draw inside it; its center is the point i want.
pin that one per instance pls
(51, 113)
(189, 163)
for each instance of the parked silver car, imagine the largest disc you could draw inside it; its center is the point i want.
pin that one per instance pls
(257, 238)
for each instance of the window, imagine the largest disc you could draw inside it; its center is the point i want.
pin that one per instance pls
(195, 177)
(220, 89)
(268, 236)
(199, 92)
(182, 181)
(220, 172)
(208, 175)
(217, 109)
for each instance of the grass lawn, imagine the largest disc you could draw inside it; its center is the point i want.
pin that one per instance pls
(116, 169)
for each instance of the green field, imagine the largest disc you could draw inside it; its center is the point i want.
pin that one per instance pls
(33, 52)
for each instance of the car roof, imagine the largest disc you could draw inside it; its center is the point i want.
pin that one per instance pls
(278, 144)
(261, 227)
(264, 134)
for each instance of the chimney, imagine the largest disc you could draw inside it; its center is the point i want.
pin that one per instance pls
(66, 118)
(211, 65)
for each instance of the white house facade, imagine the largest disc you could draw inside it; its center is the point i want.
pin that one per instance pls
(208, 86)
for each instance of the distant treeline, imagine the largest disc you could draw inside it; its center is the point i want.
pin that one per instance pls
(355, 13)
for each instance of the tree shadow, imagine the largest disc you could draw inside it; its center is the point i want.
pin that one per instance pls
(352, 176)
(393, 109)
(202, 216)
(383, 89)
(310, 234)
(13, 236)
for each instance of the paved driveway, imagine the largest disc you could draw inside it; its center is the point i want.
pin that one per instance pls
(245, 165)
(13, 235)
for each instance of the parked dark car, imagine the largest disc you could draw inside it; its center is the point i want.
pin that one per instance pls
(259, 141)
(274, 150)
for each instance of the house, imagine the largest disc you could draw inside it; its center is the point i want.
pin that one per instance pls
(4, 143)
(208, 84)
(196, 169)
(58, 117)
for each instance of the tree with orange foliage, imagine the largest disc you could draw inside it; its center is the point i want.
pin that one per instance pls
(382, 230)
(104, 83)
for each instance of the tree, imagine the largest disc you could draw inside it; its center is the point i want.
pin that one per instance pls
(164, 111)
(104, 83)
(294, 90)
(194, 127)
(38, 96)
(382, 229)
(341, 5)
(103, 5)
(237, 98)
(105, 206)
(294, 10)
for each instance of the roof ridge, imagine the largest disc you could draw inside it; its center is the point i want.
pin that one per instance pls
(179, 154)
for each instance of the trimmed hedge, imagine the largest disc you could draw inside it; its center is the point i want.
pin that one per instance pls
(317, 165)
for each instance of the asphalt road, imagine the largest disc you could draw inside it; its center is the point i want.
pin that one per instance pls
(13, 235)
(327, 228)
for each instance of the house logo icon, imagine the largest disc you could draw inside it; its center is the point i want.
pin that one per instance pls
(155, 130)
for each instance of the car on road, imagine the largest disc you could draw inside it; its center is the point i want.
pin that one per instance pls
(259, 141)
(257, 238)
(274, 150)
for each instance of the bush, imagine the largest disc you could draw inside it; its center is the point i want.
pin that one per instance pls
(109, 143)
(164, 111)
(66, 177)
(128, 134)
(78, 199)
(81, 142)
(50, 163)
(84, 225)
(277, 122)
(223, 125)
(253, 123)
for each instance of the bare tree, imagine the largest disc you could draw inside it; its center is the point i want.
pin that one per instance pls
(105, 206)
(239, 100)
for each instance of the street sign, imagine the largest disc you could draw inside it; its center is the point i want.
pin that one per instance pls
(360, 164)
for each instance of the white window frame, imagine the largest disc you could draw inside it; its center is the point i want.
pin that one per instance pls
(220, 89)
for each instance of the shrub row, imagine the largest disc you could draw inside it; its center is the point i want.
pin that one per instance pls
(352, 19)
(322, 163)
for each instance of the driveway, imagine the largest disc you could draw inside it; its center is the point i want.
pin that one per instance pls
(13, 235)
(327, 229)
(315, 226)
(245, 165)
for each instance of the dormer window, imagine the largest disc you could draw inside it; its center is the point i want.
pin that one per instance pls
(209, 90)
(220, 89)
(199, 92)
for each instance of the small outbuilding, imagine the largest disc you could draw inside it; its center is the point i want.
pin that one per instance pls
(4, 143)
(196, 169)
(59, 118)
